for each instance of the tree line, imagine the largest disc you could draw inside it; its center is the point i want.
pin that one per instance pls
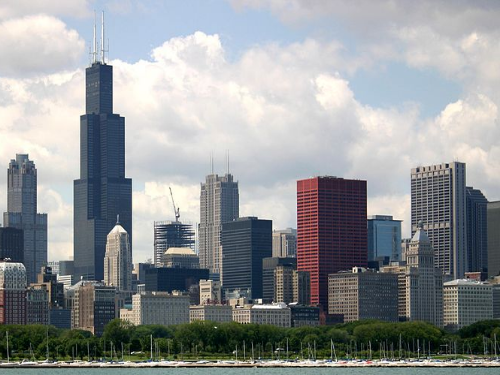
(203, 339)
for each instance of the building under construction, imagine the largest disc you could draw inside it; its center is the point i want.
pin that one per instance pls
(169, 234)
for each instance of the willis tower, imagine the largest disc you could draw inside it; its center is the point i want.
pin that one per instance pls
(102, 192)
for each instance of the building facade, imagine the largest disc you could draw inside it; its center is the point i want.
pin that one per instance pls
(210, 292)
(283, 284)
(331, 229)
(169, 279)
(118, 260)
(438, 199)
(301, 287)
(302, 315)
(102, 192)
(384, 238)
(466, 302)
(180, 257)
(363, 294)
(245, 243)
(160, 308)
(219, 203)
(213, 313)
(493, 227)
(171, 234)
(12, 244)
(37, 304)
(276, 314)
(268, 279)
(477, 230)
(285, 243)
(12, 293)
(22, 213)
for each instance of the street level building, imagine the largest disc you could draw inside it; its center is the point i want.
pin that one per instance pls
(276, 314)
(22, 213)
(213, 313)
(102, 192)
(245, 243)
(219, 203)
(285, 243)
(363, 294)
(466, 302)
(331, 230)
(438, 199)
(303, 315)
(12, 293)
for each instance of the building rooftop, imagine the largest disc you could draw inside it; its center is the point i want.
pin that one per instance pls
(464, 282)
(179, 251)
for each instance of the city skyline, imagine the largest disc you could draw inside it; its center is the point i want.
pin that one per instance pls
(270, 96)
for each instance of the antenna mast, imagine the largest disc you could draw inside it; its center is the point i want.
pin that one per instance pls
(103, 48)
(94, 44)
(176, 210)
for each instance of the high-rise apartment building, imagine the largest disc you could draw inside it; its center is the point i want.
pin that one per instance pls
(285, 243)
(103, 191)
(118, 260)
(438, 199)
(12, 293)
(477, 231)
(22, 213)
(219, 203)
(384, 237)
(493, 226)
(331, 229)
(245, 243)
(168, 234)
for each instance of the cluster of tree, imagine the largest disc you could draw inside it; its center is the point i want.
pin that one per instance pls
(362, 339)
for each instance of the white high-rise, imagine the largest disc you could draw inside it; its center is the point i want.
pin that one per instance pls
(118, 260)
(219, 203)
(438, 199)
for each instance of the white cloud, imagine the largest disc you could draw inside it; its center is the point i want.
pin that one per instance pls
(16, 8)
(37, 44)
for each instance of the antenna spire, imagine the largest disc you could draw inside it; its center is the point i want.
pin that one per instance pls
(211, 163)
(94, 44)
(227, 161)
(103, 48)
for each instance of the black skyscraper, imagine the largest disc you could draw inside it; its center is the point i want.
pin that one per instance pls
(102, 192)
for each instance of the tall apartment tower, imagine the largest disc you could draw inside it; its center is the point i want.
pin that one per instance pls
(384, 237)
(219, 203)
(331, 230)
(438, 199)
(477, 231)
(103, 191)
(245, 243)
(21, 213)
(118, 260)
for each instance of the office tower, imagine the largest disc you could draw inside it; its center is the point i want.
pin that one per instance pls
(37, 304)
(268, 282)
(118, 260)
(168, 234)
(405, 246)
(54, 288)
(12, 244)
(493, 221)
(140, 271)
(363, 294)
(304, 315)
(164, 279)
(93, 306)
(438, 200)
(219, 203)
(477, 236)
(245, 243)
(102, 192)
(285, 243)
(301, 287)
(420, 282)
(66, 267)
(466, 302)
(210, 292)
(283, 284)
(331, 230)
(12, 293)
(384, 238)
(180, 257)
(21, 213)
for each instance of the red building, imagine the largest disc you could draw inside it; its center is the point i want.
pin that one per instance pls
(331, 230)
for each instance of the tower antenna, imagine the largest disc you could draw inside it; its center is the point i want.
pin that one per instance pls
(211, 163)
(227, 161)
(103, 47)
(94, 44)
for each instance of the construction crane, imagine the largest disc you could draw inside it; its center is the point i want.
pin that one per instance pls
(176, 210)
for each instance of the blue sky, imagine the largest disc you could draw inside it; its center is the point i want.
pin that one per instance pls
(360, 89)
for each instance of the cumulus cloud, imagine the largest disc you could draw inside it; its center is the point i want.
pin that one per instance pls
(16, 8)
(37, 44)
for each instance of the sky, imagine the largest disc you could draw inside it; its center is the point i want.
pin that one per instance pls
(362, 89)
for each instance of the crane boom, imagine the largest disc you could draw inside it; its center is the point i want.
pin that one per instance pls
(176, 210)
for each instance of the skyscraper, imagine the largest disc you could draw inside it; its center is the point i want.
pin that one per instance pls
(285, 243)
(21, 213)
(169, 234)
(245, 243)
(219, 203)
(12, 293)
(384, 237)
(493, 217)
(102, 192)
(477, 235)
(331, 229)
(438, 200)
(118, 260)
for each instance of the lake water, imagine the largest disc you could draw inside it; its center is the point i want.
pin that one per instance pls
(251, 371)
